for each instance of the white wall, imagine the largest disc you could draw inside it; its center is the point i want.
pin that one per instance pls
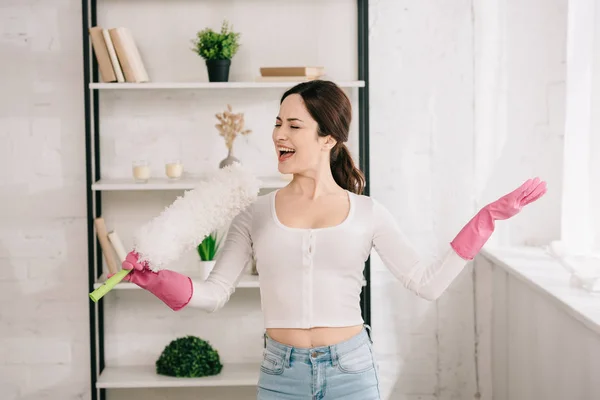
(521, 84)
(422, 157)
(43, 277)
(581, 205)
(595, 142)
(468, 100)
(427, 74)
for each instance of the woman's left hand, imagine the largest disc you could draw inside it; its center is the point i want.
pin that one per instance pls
(512, 203)
(477, 231)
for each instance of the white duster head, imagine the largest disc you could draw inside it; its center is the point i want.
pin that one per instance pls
(195, 215)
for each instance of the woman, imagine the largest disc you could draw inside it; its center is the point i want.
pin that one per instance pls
(310, 241)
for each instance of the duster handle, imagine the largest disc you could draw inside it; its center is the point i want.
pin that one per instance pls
(108, 285)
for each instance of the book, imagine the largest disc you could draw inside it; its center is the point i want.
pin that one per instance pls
(107, 249)
(292, 71)
(115, 240)
(128, 55)
(105, 66)
(113, 56)
(286, 78)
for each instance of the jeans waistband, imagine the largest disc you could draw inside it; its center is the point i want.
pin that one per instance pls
(332, 352)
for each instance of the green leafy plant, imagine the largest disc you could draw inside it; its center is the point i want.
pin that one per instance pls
(208, 248)
(189, 357)
(212, 45)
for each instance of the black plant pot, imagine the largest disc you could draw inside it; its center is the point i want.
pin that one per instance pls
(218, 70)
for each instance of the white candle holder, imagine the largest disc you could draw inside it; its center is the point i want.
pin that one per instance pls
(141, 171)
(174, 169)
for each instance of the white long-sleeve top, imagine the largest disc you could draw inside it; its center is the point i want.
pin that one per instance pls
(313, 277)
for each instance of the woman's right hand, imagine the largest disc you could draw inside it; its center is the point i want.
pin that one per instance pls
(131, 262)
(173, 288)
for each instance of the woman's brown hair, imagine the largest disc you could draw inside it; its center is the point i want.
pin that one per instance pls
(329, 106)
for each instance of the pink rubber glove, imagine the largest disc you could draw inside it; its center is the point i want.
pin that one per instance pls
(478, 230)
(174, 289)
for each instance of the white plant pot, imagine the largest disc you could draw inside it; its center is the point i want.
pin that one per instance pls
(205, 268)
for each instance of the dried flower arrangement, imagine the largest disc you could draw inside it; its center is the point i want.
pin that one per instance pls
(231, 125)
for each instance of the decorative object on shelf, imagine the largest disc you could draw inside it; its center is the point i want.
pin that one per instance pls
(189, 357)
(141, 171)
(207, 250)
(231, 125)
(189, 219)
(174, 169)
(217, 49)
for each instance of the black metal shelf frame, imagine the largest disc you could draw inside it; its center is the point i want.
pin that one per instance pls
(92, 168)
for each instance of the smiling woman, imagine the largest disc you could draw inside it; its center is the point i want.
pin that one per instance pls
(310, 241)
(321, 107)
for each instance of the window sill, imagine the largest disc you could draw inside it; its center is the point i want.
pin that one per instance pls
(543, 274)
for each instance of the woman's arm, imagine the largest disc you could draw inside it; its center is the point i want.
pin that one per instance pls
(430, 280)
(426, 280)
(178, 291)
(232, 259)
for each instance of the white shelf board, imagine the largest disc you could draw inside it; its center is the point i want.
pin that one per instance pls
(211, 85)
(114, 184)
(246, 281)
(233, 374)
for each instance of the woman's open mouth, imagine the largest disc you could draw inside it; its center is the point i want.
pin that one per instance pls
(285, 153)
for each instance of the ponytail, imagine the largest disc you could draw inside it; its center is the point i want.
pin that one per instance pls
(344, 171)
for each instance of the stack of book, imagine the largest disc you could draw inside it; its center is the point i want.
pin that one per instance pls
(112, 248)
(117, 54)
(290, 74)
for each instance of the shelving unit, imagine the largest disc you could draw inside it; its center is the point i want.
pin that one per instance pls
(234, 374)
(103, 188)
(268, 183)
(246, 281)
(208, 85)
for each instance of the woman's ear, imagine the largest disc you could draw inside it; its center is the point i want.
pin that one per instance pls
(328, 143)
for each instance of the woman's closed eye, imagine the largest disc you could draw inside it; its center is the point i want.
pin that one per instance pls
(291, 126)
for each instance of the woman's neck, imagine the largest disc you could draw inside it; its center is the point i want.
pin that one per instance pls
(313, 184)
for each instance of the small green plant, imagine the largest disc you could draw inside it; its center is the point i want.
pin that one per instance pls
(208, 248)
(212, 45)
(189, 357)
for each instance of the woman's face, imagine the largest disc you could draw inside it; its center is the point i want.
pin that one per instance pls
(298, 146)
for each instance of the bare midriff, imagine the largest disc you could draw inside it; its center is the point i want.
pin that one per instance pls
(313, 337)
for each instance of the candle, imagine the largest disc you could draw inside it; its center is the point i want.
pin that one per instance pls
(141, 171)
(174, 169)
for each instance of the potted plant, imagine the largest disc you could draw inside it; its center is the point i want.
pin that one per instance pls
(217, 49)
(230, 126)
(207, 250)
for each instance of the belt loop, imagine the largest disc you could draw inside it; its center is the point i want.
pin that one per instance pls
(368, 328)
(288, 357)
(265, 339)
(334, 356)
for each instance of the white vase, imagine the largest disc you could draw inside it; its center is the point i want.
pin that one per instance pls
(205, 268)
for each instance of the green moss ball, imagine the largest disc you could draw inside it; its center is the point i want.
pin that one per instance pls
(188, 357)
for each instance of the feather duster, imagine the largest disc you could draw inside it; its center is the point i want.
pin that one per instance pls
(189, 219)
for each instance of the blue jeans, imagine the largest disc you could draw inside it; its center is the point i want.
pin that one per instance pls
(346, 370)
